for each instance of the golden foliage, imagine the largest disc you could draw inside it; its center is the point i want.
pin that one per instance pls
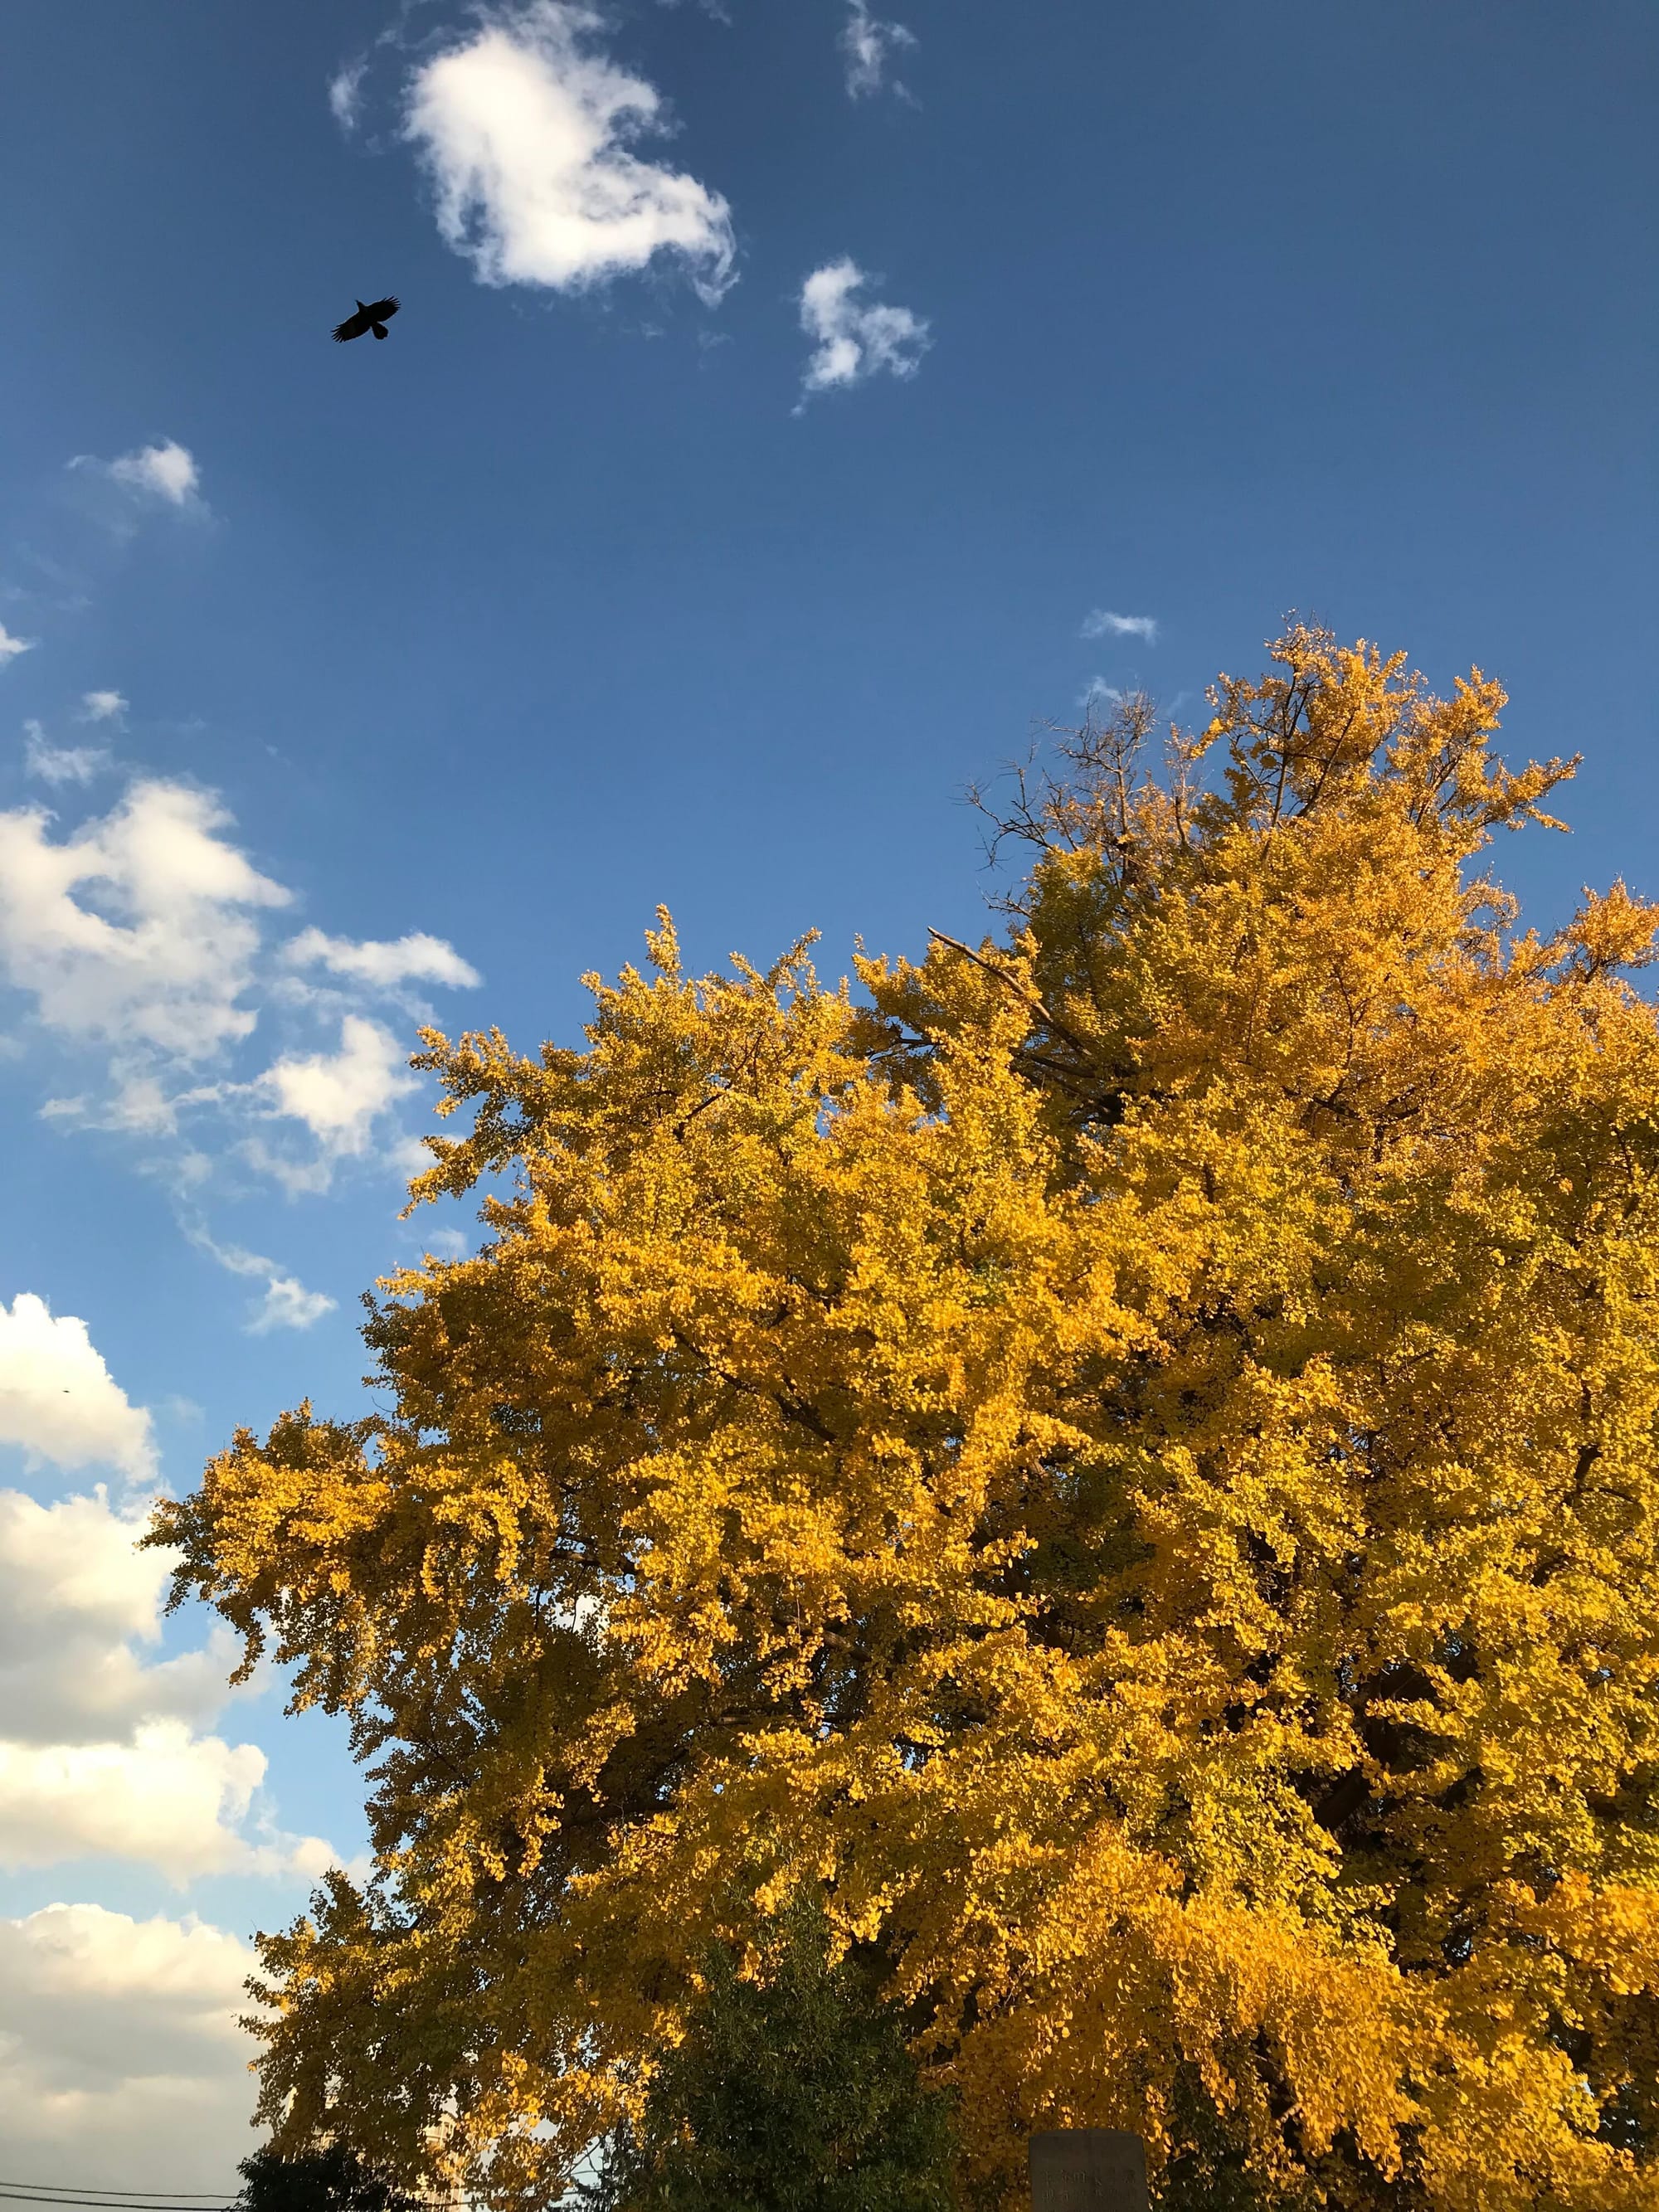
(1130, 1459)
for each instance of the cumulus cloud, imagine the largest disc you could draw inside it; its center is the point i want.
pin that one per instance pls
(101, 1753)
(867, 44)
(382, 964)
(852, 339)
(59, 1402)
(1104, 623)
(102, 706)
(122, 2060)
(11, 647)
(60, 763)
(79, 1601)
(527, 129)
(167, 1799)
(158, 950)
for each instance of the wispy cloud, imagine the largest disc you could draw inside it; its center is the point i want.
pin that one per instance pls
(60, 763)
(867, 46)
(854, 339)
(527, 129)
(1104, 623)
(345, 93)
(11, 647)
(102, 706)
(287, 1304)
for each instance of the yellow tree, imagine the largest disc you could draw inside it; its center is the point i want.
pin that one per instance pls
(1126, 1461)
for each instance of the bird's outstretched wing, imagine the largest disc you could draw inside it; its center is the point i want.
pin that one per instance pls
(380, 310)
(354, 325)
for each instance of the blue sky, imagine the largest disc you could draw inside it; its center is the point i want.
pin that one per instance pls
(658, 555)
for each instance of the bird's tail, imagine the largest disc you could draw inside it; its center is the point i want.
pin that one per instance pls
(379, 329)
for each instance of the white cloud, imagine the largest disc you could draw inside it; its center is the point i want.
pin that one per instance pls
(526, 129)
(380, 963)
(167, 471)
(161, 1797)
(1102, 623)
(167, 1798)
(143, 937)
(77, 1596)
(60, 763)
(101, 1752)
(11, 647)
(159, 952)
(59, 1402)
(851, 340)
(102, 706)
(866, 44)
(345, 91)
(1097, 689)
(287, 1303)
(122, 2061)
(338, 1097)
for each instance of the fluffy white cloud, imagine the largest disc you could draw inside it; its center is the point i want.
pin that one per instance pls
(77, 1596)
(868, 44)
(102, 706)
(100, 1752)
(852, 339)
(338, 1096)
(1104, 623)
(102, 1748)
(122, 2061)
(59, 1402)
(382, 964)
(527, 131)
(167, 471)
(60, 763)
(11, 647)
(161, 953)
(165, 1798)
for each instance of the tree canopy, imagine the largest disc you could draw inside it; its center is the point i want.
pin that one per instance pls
(1123, 1457)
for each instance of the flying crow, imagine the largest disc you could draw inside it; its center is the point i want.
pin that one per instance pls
(373, 317)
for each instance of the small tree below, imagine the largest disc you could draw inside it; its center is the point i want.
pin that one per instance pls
(791, 2092)
(333, 2179)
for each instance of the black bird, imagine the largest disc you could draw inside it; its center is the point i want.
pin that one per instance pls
(373, 317)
